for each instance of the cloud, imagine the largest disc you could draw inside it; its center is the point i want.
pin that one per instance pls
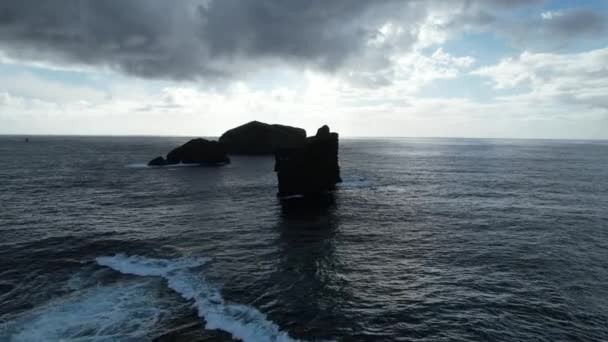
(548, 31)
(573, 23)
(227, 39)
(576, 78)
(361, 66)
(190, 39)
(393, 110)
(550, 15)
(554, 30)
(30, 86)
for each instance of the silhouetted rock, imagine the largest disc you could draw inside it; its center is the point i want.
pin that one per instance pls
(260, 138)
(195, 151)
(323, 132)
(311, 168)
(158, 161)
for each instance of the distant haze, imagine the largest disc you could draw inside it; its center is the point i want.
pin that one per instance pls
(462, 68)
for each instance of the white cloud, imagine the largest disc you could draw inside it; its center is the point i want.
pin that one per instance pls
(415, 70)
(31, 86)
(387, 111)
(446, 59)
(395, 109)
(577, 78)
(550, 15)
(9, 101)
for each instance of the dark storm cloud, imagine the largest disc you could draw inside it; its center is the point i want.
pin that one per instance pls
(189, 39)
(212, 39)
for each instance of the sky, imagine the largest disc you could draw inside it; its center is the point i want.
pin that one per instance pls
(403, 68)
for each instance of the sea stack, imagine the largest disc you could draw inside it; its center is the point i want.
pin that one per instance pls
(195, 151)
(258, 138)
(311, 168)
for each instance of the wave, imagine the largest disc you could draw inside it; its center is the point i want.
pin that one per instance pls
(242, 321)
(143, 266)
(124, 311)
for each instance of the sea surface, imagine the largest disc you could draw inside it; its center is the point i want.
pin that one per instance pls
(425, 240)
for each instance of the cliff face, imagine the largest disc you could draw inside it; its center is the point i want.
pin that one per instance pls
(311, 168)
(260, 138)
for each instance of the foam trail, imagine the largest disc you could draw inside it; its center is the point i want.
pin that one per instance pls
(125, 311)
(242, 321)
(143, 266)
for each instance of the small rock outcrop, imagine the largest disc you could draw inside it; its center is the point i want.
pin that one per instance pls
(311, 168)
(258, 138)
(195, 151)
(158, 161)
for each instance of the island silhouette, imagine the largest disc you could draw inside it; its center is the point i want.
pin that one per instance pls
(304, 165)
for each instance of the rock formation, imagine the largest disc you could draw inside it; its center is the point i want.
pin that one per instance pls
(311, 168)
(257, 137)
(195, 151)
(304, 166)
(158, 161)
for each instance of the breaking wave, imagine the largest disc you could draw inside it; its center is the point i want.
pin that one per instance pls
(124, 311)
(242, 321)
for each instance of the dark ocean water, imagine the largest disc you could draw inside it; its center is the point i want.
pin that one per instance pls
(426, 240)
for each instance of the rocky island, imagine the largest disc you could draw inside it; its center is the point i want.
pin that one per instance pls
(258, 138)
(195, 151)
(310, 168)
(304, 166)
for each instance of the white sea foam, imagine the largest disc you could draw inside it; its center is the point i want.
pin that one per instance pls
(124, 311)
(142, 266)
(242, 321)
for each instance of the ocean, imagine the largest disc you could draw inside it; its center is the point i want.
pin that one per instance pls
(425, 240)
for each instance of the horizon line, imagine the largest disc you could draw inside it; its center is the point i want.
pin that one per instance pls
(341, 136)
